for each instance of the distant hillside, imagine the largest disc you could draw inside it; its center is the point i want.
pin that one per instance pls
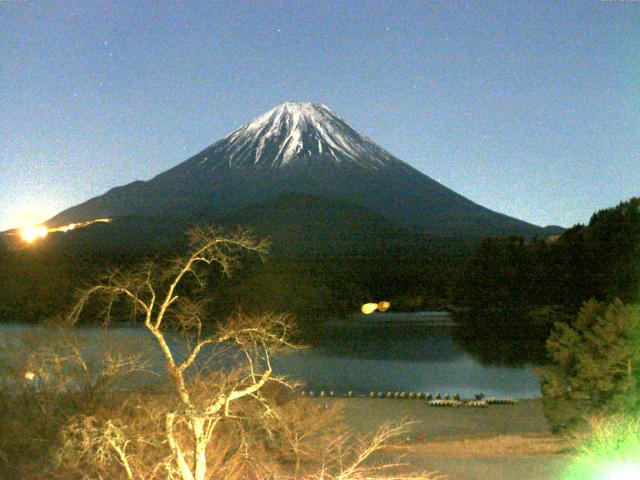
(299, 225)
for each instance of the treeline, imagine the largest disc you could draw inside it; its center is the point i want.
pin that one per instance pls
(36, 285)
(326, 259)
(506, 286)
(40, 282)
(600, 260)
(512, 290)
(318, 289)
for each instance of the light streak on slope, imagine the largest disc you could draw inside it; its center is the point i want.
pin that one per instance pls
(37, 232)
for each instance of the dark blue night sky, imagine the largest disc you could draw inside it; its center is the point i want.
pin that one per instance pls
(530, 108)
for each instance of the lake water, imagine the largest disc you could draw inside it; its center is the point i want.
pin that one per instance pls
(416, 356)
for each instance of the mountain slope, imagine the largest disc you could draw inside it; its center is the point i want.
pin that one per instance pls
(298, 223)
(301, 148)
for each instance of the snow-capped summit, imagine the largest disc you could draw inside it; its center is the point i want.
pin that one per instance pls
(303, 148)
(294, 132)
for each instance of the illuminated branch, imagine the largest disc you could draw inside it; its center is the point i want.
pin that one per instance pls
(156, 294)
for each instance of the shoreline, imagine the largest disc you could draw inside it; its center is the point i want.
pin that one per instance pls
(500, 442)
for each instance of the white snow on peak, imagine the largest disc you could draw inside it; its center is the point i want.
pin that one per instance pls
(293, 131)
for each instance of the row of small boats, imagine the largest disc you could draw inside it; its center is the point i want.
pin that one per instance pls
(435, 400)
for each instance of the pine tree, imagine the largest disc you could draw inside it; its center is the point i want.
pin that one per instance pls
(595, 365)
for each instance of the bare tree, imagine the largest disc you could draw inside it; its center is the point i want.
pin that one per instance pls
(217, 419)
(346, 458)
(159, 296)
(49, 376)
(304, 428)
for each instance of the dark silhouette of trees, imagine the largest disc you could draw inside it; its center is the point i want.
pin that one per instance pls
(600, 260)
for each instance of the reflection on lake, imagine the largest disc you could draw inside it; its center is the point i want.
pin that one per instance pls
(409, 356)
(404, 356)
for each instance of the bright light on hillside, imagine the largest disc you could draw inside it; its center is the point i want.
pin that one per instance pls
(33, 233)
(37, 232)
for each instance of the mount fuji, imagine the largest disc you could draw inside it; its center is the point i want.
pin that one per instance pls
(300, 148)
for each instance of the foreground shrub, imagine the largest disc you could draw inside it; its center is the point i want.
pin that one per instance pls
(595, 365)
(608, 449)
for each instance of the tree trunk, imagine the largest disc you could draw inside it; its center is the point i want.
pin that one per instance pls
(200, 467)
(183, 468)
(297, 467)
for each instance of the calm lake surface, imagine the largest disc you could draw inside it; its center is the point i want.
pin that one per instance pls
(415, 355)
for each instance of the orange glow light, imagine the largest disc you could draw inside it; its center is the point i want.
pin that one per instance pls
(368, 308)
(384, 306)
(33, 233)
(38, 232)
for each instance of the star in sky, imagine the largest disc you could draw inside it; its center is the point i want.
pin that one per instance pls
(550, 89)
